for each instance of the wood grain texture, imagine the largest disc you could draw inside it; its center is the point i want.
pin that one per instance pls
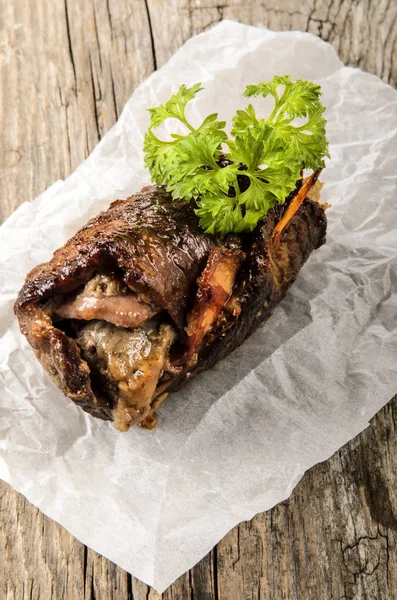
(66, 70)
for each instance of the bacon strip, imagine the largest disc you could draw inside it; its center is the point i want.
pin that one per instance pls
(125, 310)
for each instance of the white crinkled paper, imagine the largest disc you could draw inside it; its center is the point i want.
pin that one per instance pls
(238, 438)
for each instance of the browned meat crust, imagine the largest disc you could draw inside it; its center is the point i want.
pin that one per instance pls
(155, 242)
(60, 356)
(156, 246)
(261, 282)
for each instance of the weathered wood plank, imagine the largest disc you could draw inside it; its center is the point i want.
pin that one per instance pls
(66, 71)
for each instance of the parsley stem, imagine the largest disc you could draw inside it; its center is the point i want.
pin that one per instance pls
(279, 103)
(186, 122)
(275, 111)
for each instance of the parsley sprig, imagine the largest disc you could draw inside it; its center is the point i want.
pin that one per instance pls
(236, 180)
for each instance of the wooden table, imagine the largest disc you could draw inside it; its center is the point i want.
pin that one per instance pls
(67, 67)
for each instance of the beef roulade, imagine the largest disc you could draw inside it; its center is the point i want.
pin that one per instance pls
(140, 299)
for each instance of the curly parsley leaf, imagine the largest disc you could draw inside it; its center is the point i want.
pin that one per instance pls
(244, 119)
(235, 181)
(299, 99)
(178, 161)
(175, 106)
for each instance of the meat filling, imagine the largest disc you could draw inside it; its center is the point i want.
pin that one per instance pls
(124, 347)
(127, 350)
(127, 364)
(107, 298)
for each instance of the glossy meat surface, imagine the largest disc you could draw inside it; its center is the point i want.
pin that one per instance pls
(155, 242)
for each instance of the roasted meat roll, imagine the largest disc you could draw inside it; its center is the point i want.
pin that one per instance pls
(141, 299)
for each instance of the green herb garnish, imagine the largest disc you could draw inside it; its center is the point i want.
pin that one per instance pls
(236, 180)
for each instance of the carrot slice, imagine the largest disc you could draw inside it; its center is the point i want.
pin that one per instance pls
(293, 207)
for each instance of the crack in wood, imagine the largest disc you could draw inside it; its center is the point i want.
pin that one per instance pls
(190, 578)
(234, 563)
(92, 590)
(386, 537)
(392, 28)
(280, 11)
(70, 42)
(151, 35)
(85, 557)
(68, 139)
(130, 595)
(116, 113)
(87, 143)
(109, 16)
(97, 36)
(215, 572)
(94, 100)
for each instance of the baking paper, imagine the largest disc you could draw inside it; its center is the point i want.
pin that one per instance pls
(239, 437)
